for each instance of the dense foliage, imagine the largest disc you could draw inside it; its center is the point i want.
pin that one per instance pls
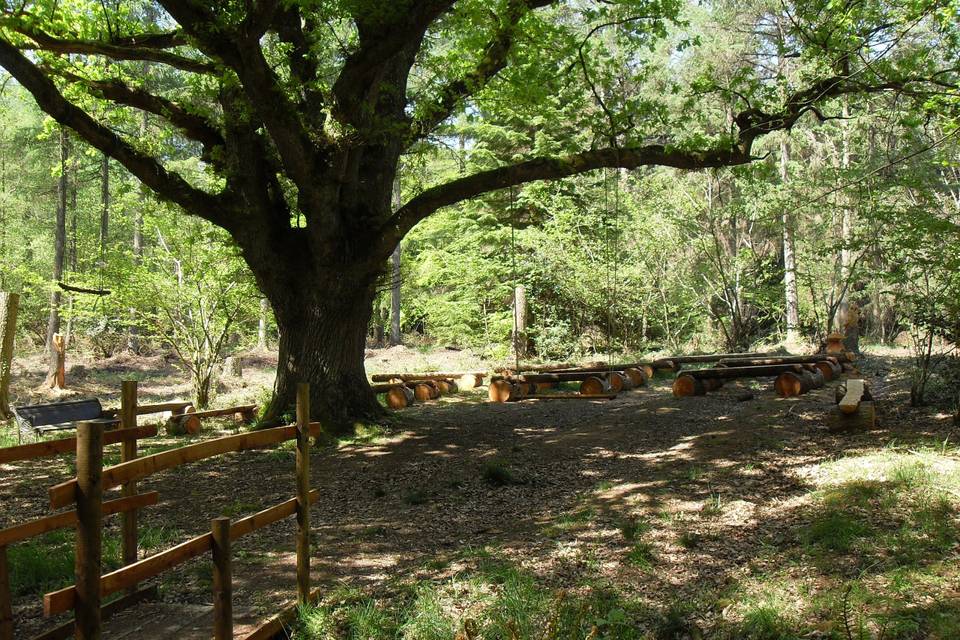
(861, 185)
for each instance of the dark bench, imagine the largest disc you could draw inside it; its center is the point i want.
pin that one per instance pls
(40, 419)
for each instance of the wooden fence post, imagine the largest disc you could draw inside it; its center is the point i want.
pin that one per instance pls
(222, 580)
(303, 493)
(128, 451)
(6, 602)
(89, 552)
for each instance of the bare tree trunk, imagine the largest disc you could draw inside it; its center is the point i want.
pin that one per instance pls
(9, 303)
(60, 237)
(104, 202)
(849, 312)
(520, 321)
(133, 333)
(789, 253)
(262, 326)
(395, 337)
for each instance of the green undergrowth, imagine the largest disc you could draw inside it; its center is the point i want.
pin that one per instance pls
(8, 436)
(488, 599)
(876, 557)
(46, 562)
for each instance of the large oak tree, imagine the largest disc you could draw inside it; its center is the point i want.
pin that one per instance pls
(301, 109)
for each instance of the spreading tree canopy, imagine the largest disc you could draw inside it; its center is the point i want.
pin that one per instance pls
(299, 111)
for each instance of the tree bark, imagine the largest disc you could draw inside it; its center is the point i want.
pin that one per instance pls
(395, 336)
(133, 333)
(9, 303)
(323, 324)
(262, 325)
(104, 203)
(789, 252)
(849, 315)
(60, 239)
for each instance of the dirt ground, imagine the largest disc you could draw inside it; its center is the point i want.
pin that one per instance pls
(392, 505)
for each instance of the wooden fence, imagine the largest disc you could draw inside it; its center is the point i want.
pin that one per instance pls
(86, 493)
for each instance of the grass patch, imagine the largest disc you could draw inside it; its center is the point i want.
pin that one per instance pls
(641, 555)
(491, 600)
(239, 508)
(713, 506)
(631, 528)
(765, 621)
(154, 538)
(876, 558)
(570, 522)
(497, 473)
(689, 540)
(8, 437)
(414, 497)
(46, 562)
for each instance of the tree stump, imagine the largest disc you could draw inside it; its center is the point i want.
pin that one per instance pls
(233, 367)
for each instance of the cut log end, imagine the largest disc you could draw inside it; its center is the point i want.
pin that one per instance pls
(637, 376)
(400, 397)
(185, 423)
(790, 385)
(423, 392)
(500, 391)
(594, 385)
(687, 385)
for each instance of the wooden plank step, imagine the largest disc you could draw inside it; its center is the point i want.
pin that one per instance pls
(851, 400)
(161, 621)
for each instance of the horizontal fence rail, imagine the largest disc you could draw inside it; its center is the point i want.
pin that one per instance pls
(69, 445)
(20, 532)
(64, 599)
(86, 493)
(63, 494)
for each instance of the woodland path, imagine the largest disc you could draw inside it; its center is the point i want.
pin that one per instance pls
(401, 508)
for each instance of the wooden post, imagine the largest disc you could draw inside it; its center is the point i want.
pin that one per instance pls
(303, 493)
(89, 552)
(9, 303)
(6, 602)
(222, 580)
(128, 452)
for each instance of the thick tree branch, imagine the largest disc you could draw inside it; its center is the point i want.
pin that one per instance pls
(492, 61)
(754, 122)
(192, 125)
(535, 169)
(360, 78)
(241, 52)
(168, 185)
(148, 47)
(303, 65)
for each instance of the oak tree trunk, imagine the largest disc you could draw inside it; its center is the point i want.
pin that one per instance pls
(323, 323)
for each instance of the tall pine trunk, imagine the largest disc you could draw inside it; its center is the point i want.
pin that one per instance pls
(789, 254)
(59, 242)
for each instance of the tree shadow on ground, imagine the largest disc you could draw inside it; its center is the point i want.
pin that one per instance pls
(670, 505)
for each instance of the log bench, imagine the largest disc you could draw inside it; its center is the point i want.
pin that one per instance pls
(189, 422)
(701, 381)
